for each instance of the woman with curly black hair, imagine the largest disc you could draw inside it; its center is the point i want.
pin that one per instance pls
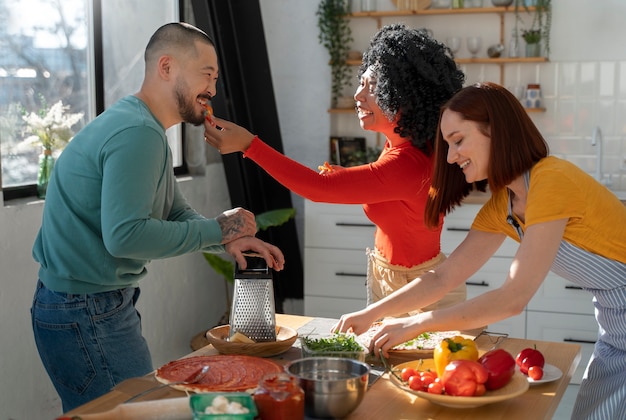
(406, 76)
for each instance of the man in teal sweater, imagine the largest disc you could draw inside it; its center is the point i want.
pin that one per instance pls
(113, 204)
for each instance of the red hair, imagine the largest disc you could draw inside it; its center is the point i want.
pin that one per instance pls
(516, 145)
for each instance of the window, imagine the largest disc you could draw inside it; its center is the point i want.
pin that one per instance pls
(55, 50)
(44, 59)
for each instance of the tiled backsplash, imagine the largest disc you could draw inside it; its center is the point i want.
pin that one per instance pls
(578, 96)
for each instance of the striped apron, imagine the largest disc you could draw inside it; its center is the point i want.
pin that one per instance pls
(602, 393)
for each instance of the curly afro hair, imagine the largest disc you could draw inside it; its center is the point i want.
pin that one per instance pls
(415, 76)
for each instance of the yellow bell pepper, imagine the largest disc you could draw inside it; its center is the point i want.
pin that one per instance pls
(455, 348)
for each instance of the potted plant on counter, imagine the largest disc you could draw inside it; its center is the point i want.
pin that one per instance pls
(335, 35)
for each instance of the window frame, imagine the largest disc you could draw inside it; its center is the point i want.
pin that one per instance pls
(96, 55)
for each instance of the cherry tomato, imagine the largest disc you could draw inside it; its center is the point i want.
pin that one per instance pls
(415, 383)
(426, 381)
(435, 387)
(535, 372)
(407, 373)
(429, 373)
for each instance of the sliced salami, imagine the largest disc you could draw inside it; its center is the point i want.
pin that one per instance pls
(226, 372)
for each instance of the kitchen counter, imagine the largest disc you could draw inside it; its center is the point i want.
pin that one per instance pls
(384, 400)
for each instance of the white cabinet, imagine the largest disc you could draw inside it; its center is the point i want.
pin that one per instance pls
(335, 265)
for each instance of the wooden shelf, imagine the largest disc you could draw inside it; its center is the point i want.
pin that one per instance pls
(500, 60)
(351, 110)
(482, 60)
(500, 11)
(463, 11)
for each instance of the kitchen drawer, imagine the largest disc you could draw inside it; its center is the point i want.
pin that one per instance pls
(337, 226)
(559, 295)
(514, 326)
(457, 224)
(329, 307)
(570, 328)
(490, 277)
(335, 273)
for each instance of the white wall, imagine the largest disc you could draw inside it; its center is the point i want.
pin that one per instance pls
(180, 297)
(584, 84)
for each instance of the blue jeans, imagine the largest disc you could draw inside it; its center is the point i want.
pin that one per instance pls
(89, 343)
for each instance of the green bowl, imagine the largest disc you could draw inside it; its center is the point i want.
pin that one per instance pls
(200, 402)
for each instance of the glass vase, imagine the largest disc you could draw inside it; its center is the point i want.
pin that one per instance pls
(46, 164)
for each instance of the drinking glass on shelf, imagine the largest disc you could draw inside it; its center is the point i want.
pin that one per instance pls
(473, 45)
(454, 43)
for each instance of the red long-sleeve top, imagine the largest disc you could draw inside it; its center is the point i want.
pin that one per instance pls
(393, 191)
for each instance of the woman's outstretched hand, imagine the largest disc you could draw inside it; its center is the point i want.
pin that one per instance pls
(227, 137)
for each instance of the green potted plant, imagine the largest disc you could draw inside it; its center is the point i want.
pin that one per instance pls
(226, 268)
(540, 26)
(335, 35)
(533, 39)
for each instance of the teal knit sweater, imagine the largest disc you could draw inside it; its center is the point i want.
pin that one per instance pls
(113, 204)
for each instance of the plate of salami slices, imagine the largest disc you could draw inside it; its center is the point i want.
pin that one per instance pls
(227, 372)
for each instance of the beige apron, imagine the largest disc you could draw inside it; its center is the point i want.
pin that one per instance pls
(384, 278)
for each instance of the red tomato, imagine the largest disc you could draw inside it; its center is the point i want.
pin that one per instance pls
(528, 357)
(426, 381)
(530, 361)
(435, 388)
(501, 367)
(428, 374)
(535, 372)
(415, 383)
(407, 373)
(463, 377)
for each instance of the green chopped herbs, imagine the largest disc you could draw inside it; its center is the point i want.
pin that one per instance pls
(416, 342)
(337, 342)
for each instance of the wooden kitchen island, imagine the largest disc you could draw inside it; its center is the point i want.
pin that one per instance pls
(384, 400)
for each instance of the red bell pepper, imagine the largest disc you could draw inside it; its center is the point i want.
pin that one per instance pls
(500, 365)
(464, 378)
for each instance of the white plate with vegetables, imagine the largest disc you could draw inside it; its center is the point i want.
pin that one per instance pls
(516, 386)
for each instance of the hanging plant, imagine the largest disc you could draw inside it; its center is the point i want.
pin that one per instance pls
(541, 23)
(335, 35)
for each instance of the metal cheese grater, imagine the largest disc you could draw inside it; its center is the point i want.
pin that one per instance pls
(253, 313)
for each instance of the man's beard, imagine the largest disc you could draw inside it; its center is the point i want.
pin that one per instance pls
(187, 109)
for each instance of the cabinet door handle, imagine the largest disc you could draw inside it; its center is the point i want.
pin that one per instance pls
(457, 229)
(354, 224)
(575, 340)
(573, 287)
(341, 273)
(482, 283)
